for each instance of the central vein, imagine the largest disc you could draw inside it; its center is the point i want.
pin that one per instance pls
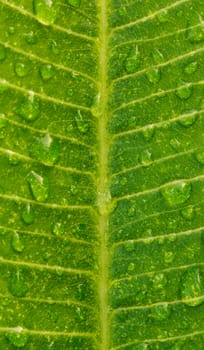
(103, 193)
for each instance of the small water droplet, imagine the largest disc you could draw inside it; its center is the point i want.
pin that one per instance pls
(168, 257)
(129, 246)
(191, 67)
(82, 126)
(191, 287)
(17, 243)
(31, 38)
(148, 132)
(131, 266)
(2, 53)
(200, 156)
(46, 11)
(188, 120)
(145, 158)
(29, 108)
(157, 56)
(11, 30)
(3, 125)
(13, 158)
(176, 193)
(17, 337)
(45, 149)
(161, 312)
(39, 186)
(73, 189)
(75, 3)
(175, 144)
(58, 229)
(184, 92)
(195, 35)
(154, 75)
(133, 61)
(47, 71)
(28, 214)
(188, 212)
(163, 16)
(159, 281)
(54, 47)
(17, 285)
(21, 69)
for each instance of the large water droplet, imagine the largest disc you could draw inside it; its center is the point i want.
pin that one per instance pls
(31, 38)
(176, 193)
(200, 156)
(46, 11)
(39, 186)
(75, 3)
(45, 149)
(161, 312)
(188, 212)
(17, 243)
(184, 92)
(191, 287)
(154, 75)
(17, 285)
(82, 125)
(196, 35)
(28, 214)
(17, 337)
(133, 61)
(21, 69)
(47, 71)
(2, 53)
(188, 120)
(191, 67)
(58, 229)
(145, 157)
(29, 108)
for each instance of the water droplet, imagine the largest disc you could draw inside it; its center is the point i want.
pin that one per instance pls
(31, 38)
(129, 246)
(58, 229)
(175, 144)
(3, 125)
(47, 71)
(168, 257)
(188, 120)
(133, 61)
(131, 266)
(157, 56)
(191, 68)
(28, 214)
(184, 92)
(145, 158)
(161, 312)
(75, 3)
(200, 156)
(188, 213)
(176, 193)
(191, 287)
(21, 69)
(45, 149)
(54, 47)
(73, 189)
(2, 53)
(140, 347)
(154, 75)
(29, 108)
(82, 126)
(13, 158)
(39, 186)
(159, 281)
(195, 35)
(11, 30)
(45, 10)
(17, 337)
(163, 16)
(17, 285)
(17, 243)
(148, 132)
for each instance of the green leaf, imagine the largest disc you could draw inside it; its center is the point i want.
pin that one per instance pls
(102, 170)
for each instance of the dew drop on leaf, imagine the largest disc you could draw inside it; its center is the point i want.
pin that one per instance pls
(163, 16)
(45, 149)
(131, 267)
(27, 214)
(148, 132)
(188, 120)
(45, 10)
(191, 287)
(29, 108)
(145, 157)
(17, 337)
(157, 56)
(17, 285)
(31, 38)
(75, 3)
(82, 125)
(191, 68)
(21, 69)
(129, 246)
(47, 71)
(154, 75)
(39, 186)
(58, 229)
(133, 61)
(195, 35)
(13, 158)
(200, 156)
(159, 281)
(17, 243)
(2, 53)
(188, 213)
(175, 144)
(168, 257)
(161, 312)
(176, 193)
(184, 92)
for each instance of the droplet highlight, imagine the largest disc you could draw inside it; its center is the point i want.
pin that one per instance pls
(17, 337)
(17, 285)
(28, 214)
(191, 68)
(184, 92)
(145, 158)
(58, 229)
(17, 243)
(21, 69)
(133, 61)
(176, 193)
(39, 186)
(45, 149)
(46, 11)
(82, 125)
(154, 75)
(47, 71)
(29, 109)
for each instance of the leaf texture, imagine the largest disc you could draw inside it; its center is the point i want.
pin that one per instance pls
(102, 170)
